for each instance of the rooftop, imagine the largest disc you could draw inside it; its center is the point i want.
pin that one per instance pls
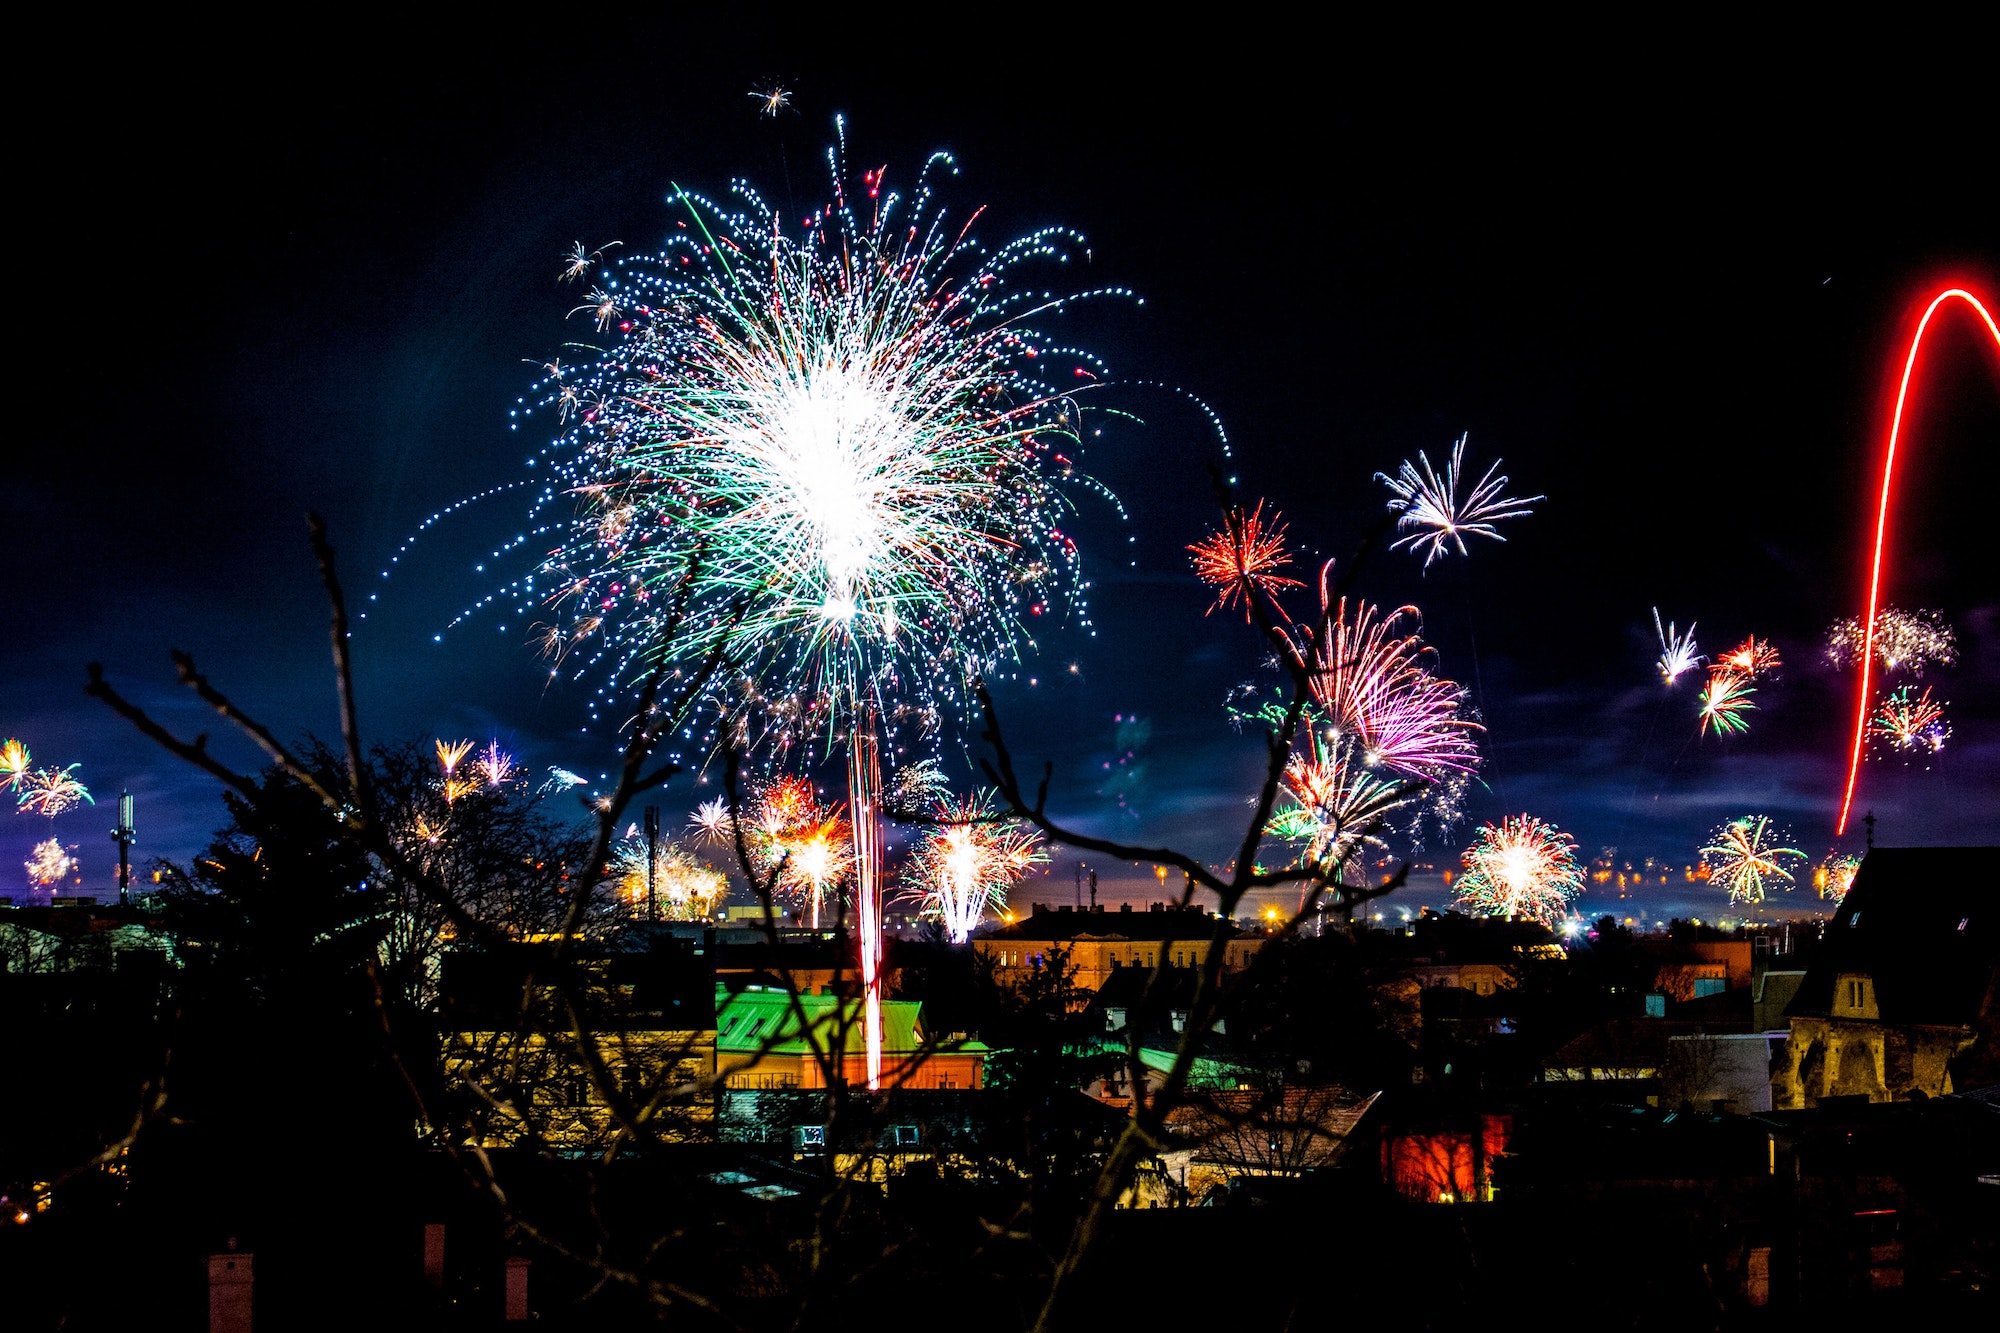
(1923, 924)
(1157, 922)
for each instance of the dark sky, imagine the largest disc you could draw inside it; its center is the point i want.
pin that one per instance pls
(1672, 296)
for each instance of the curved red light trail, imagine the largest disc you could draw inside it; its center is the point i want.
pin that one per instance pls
(1882, 530)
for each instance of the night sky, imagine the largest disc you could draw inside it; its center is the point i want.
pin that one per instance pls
(1672, 299)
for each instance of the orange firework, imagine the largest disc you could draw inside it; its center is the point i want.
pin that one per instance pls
(1754, 657)
(1243, 559)
(814, 844)
(15, 765)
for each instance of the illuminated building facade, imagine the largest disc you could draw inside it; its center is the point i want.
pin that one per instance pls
(1902, 997)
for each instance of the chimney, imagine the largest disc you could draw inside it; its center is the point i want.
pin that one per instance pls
(1125, 907)
(1036, 909)
(517, 1288)
(229, 1289)
(434, 1255)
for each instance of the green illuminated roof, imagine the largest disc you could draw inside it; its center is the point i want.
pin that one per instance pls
(750, 1021)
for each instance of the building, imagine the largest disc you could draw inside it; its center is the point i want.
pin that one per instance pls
(1771, 994)
(1479, 978)
(779, 1039)
(1904, 988)
(627, 1038)
(1287, 1131)
(1097, 943)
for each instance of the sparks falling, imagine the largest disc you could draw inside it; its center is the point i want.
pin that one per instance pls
(1742, 857)
(1521, 867)
(1378, 685)
(1436, 519)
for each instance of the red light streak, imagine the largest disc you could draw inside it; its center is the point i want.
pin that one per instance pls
(1882, 530)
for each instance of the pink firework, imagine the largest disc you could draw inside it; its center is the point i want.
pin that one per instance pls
(1375, 682)
(967, 861)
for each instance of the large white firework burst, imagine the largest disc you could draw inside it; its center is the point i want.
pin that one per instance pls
(967, 859)
(1436, 518)
(1521, 867)
(833, 451)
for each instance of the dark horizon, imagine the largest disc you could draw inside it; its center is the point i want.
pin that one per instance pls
(1679, 316)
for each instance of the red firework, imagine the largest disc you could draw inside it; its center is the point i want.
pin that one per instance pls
(1243, 559)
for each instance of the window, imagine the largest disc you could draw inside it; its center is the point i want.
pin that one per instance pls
(1854, 995)
(905, 1136)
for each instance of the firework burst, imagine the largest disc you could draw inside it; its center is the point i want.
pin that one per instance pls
(1383, 740)
(15, 765)
(1753, 657)
(967, 860)
(1903, 641)
(42, 791)
(1377, 685)
(686, 889)
(50, 863)
(1833, 877)
(450, 754)
(787, 830)
(1678, 655)
(1241, 562)
(771, 99)
(1910, 721)
(1521, 867)
(51, 791)
(1744, 858)
(495, 767)
(1724, 701)
(1430, 509)
(834, 453)
(1333, 807)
